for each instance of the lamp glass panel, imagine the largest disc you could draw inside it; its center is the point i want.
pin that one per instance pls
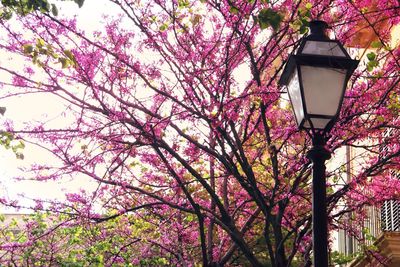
(323, 89)
(318, 123)
(323, 49)
(293, 88)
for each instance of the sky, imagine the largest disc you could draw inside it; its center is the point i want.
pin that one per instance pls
(35, 107)
(89, 17)
(26, 109)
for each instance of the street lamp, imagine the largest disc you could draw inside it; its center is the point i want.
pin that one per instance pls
(316, 78)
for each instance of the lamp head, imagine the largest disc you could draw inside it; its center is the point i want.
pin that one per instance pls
(316, 78)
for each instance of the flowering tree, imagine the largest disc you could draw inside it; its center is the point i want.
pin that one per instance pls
(176, 114)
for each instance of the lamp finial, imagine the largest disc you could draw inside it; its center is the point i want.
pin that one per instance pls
(318, 29)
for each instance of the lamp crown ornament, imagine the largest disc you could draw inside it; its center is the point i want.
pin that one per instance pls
(318, 30)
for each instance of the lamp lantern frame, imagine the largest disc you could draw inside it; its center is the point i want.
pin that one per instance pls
(318, 59)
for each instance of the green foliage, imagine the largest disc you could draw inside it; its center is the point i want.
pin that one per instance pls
(69, 59)
(234, 10)
(367, 235)
(24, 7)
(269, 17)
(394, 102)
(183, 3)
(341, 258)
(163, 27)
(78, 2)
(371, 56)
(372, 64)
(372, 61)
(376, 44)
(38, 49)
(155, 261)
(303, 17)
(8, 141)
(35, 51)
(85, 243)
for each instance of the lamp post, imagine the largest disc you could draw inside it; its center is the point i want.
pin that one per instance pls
(316, 78)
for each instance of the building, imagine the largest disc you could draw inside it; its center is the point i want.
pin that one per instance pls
(379, 243)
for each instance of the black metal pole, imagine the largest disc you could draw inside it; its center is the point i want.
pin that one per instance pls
(318, 155)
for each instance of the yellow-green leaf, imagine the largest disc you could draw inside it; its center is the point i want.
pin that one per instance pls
(40, 42)
(27, 48)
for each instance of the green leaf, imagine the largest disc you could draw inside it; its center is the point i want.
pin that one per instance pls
(64, 62)
(234, 10)
(6, 14)
(21, 145)
(43, 6)
(376, 44)
(40, 42)
(371, 56)
(372, 64)
(27, 48)
(163, 27)
(380, 118)
(70, 58)
(183, 3)
(43, 51)
(69, 54)
(263, 24)
(269, 17)
(303, 29)
(54, 10)
(79, 2)
(255, 19)
(153, 19)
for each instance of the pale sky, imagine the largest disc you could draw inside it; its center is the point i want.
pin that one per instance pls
(89, 17)
(35, 107)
